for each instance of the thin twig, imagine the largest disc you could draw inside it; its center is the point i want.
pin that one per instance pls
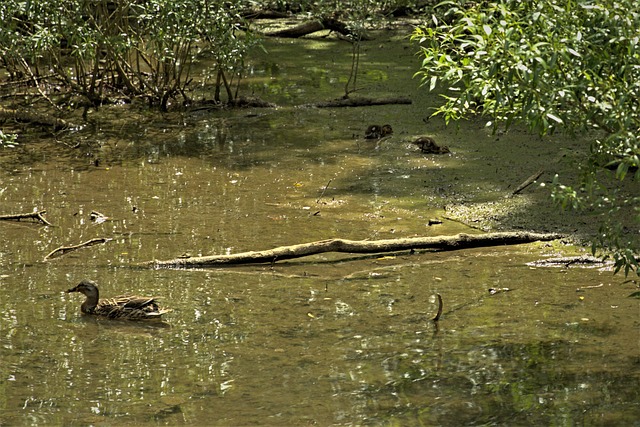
(527, 182)
(323, 190)
(33, 215)
(36, 83)
(440, 305)
(589, 287)
(62, 250)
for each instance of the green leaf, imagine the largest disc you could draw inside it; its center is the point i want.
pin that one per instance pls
(622, 170)
(573, 52)
(555, 118)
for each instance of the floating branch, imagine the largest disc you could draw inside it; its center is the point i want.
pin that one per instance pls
(33, 215)
(360, 102)
(62, 250)
(455, 242)
(315, 26)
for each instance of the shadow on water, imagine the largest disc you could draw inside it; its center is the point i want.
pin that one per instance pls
(328, 340)
(123, 326)
(496, 379)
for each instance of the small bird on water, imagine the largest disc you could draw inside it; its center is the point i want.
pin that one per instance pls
(121, 307)
(377, 131)
(428, 146)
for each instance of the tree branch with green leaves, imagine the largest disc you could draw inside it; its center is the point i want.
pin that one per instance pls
(552, 66)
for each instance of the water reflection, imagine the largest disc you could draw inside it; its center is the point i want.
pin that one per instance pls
(333, 339)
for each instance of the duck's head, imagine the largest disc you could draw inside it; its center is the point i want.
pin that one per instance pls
(87, 287)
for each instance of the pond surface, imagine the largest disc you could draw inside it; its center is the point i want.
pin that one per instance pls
(325, 340)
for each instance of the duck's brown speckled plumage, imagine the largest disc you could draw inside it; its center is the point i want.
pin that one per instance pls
(428, 146)
(122, 307)
(377, 131)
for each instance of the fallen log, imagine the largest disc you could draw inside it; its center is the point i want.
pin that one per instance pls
(360, 102)
(455, 242)
(315, 26)
(32, 215)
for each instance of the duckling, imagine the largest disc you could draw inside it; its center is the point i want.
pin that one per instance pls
(377, 131)
(372, 132)
(121, 307)
(428, 145)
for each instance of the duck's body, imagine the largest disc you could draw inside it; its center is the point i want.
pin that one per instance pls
(386, 130)
(428, 145)
(121, 307)
(377, 131)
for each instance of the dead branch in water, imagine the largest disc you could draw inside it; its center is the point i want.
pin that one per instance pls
(360, 102)
(455, 242)
(33, 215)
(62, 250)
(310, 27)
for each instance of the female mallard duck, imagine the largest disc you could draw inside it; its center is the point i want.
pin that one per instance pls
(122, 307)
(377, 131)
(428, 145)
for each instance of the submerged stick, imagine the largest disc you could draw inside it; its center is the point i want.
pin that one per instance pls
(440, 305)
(33, 215)
(62, 250)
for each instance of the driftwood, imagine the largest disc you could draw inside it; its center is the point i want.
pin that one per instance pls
(455, 242)
(359, 102)
(315, 26)
(33, 215)
(62, 250)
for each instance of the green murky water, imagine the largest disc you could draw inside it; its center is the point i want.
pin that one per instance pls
(328, 340)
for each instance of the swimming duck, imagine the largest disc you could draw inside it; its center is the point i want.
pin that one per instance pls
(121, 307)
(428, 145)
(377, 131)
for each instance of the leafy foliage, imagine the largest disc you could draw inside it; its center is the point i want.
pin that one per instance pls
(9, 140)
(571, 65)
(131, 48)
